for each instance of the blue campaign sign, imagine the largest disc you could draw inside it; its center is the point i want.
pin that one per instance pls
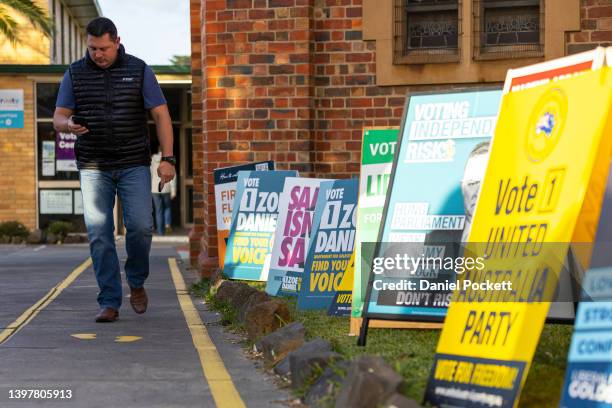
(254, 218)
(11, 108)
(442, 155)
(588, 380)
(332, 243)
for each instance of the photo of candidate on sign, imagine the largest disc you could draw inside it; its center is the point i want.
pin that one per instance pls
(442, 146)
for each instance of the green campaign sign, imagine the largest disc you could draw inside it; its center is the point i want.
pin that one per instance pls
(377, 153)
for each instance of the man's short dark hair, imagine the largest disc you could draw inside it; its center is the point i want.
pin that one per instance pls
(100, 26)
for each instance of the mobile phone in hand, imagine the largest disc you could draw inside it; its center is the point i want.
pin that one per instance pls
(160, 186)
(79, 120)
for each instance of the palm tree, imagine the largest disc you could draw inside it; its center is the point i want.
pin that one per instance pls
(27, 8)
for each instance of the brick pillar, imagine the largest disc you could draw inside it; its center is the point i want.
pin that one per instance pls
(199, 219)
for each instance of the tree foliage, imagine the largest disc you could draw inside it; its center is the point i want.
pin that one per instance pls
(9, 28)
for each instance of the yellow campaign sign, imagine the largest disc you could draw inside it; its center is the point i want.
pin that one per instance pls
(547, 153)
(341, 304)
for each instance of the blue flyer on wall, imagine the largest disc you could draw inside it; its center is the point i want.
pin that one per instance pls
(297, 208)
(442, 154)
(332, 243)
(588, 380)
(254, 218)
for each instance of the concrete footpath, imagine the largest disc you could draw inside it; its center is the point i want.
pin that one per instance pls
(49, 341)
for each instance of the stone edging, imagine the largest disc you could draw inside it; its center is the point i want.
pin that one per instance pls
(324, 376)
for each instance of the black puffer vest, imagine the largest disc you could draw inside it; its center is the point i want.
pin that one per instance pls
(111, 100)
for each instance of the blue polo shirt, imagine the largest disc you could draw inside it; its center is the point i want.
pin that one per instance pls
(151, 91)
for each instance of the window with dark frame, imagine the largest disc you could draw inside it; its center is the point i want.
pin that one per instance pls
(508, 28)
(426, 31)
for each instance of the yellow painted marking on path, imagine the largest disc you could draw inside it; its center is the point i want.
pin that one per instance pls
(84, 336)
(127, 339)
(220, 382)
(31, 313)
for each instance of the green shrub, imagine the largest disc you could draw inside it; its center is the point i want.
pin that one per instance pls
(13, 229)
(61, 228)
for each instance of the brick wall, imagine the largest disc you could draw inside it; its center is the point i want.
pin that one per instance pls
(346, 98)
(18, 169)
(293, 81)
(595, 24)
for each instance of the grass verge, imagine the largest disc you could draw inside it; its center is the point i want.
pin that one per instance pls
(411, 352)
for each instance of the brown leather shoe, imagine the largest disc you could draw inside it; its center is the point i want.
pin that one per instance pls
(139, 300)
(107, 315)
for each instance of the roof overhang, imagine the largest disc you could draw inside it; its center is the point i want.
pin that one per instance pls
(83, 10)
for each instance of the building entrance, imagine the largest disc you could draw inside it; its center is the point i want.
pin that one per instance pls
(58, 188)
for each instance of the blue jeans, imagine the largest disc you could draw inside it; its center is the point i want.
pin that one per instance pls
(163, 211)
(133, 186)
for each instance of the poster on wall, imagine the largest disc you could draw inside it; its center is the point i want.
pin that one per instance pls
(64, 151)
(254, 219)
(444, 138)
(544, 158)
(293, 232)
(332, 244)
(48, 158)
(55, 201)
(377, 152)
(11, 108)
(225, 191)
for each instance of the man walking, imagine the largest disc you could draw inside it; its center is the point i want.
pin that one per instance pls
(104, 98)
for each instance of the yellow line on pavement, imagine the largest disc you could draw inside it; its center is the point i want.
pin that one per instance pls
(31, 313)
(221, 386)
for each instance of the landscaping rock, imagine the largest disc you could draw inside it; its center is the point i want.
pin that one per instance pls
(51, 238)
(322, 392)
(283, 368)
(304, 366)
(266, 317)
(304, 361)
(227, 291)
(241, 296)
(252, 298)
(277, 345)
(36, 237)
(369, 382)
(216, 279)
(314, 345)
(399, 401)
